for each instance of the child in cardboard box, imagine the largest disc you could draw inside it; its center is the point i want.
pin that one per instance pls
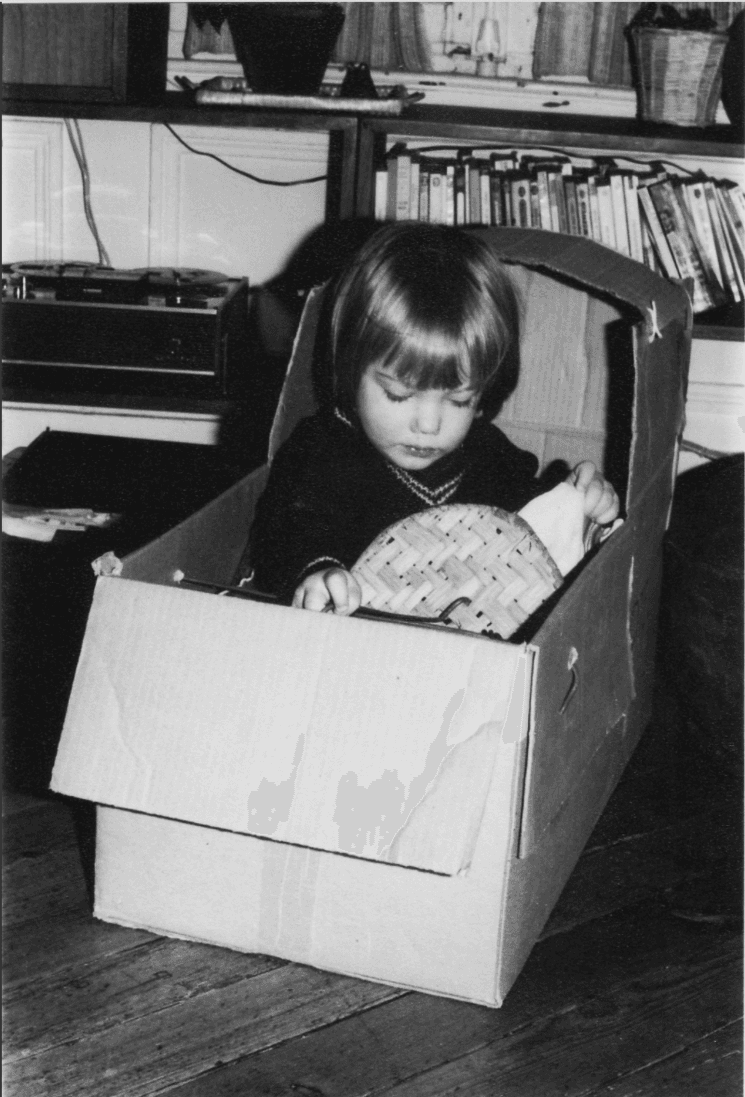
(424, 324)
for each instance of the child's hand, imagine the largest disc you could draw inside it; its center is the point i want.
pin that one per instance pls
(601, 502)
(330, 589)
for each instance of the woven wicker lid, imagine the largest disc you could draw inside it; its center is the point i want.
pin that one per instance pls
(479, 568)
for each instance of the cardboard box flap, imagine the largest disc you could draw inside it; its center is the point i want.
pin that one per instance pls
(168, 717)
(297, 398)
(592, 265)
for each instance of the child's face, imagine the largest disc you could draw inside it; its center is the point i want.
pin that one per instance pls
(413, 428)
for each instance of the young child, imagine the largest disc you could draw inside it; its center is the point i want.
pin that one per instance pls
(423, 323)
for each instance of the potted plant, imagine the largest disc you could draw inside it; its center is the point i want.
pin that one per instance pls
(676, 63)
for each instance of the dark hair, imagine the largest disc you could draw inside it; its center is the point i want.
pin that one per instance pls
(432, 302)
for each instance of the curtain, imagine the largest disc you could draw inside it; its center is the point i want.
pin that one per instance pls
(206, 30)
(385, 36)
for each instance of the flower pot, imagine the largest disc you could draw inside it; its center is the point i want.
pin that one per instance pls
(284, 48)
(677, 74)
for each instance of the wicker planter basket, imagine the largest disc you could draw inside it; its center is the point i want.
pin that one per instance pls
(678, 74)
(475, 568)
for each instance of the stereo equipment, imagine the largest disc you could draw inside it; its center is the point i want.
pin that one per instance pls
(77, 328)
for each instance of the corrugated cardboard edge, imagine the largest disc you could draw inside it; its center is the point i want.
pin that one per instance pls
(297, 398)
(189, 546)
(535, 883)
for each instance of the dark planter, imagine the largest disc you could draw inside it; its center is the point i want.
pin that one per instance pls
(284, 48)
(733, 80)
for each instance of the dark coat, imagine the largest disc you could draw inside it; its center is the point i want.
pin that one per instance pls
(330, 493)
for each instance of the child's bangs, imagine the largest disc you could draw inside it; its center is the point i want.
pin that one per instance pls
(434, 359)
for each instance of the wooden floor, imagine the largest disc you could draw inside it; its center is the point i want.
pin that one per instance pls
(622, 996)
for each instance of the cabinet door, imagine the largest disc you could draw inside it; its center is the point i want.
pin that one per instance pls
(106, 53)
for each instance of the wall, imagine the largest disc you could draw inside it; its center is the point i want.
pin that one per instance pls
(156, 203)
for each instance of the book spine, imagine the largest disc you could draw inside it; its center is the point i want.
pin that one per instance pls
(381, 193)
(485, 194)
(474, 194)
(665, 256)
(692, 193)
(735, 223)
(520, 201)
(633, 221)
(414, 189)
(392, 188)
(592, 191)
(735, 245)
(436, 195)
(583, 209)
(618, 205)
(544, 200)
(559, 206)
(710, 290)
(403, 186)
(553, 179)
(495, 188)
(570, 196)
(648, 251)
(736, 197)
(505, 184)
(535, 209)
(687, 262)
(726, 263)
(450, 194)
(424, 169)
(460, 193)
(605, 207)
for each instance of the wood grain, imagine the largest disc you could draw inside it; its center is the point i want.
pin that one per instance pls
(618, 999)
(576, 992)
(49, 45)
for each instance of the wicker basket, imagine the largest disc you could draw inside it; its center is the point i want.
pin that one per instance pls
(678, 74)
(476, 568)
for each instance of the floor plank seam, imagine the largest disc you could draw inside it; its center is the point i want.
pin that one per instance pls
(540, 1022)
(669, 1057)
(640, 900)
(152, 1015)
(396, 994)
(474, 1049)
(114, 1022)
(679, 826)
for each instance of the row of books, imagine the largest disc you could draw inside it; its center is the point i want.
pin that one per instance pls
(687, 227)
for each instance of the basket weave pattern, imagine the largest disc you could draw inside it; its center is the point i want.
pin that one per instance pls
(423, 564)
(679, 74)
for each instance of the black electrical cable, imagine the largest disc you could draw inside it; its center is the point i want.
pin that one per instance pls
(78, 148)
(247, 174)
(495, 145)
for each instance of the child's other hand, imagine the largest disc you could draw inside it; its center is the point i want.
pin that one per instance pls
(601, 502)
(330, 589)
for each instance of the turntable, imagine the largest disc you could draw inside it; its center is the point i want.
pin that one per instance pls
(76, 327)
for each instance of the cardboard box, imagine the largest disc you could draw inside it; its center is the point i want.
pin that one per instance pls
(401, 803)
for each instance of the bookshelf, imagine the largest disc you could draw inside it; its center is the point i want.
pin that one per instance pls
(716, 150)
(538, 130)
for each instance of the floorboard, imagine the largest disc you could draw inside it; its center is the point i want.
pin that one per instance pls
(619, 998)
(578, 994)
